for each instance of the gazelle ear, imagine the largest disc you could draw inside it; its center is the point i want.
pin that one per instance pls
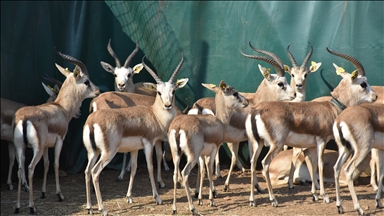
(314, 66)
(150, 86)
(138, 68)
(56, 89)
(211, 87)
(107, 67)
(265, 72)
(181, 83)
(65, 72)
(223, 85)
(48, 89)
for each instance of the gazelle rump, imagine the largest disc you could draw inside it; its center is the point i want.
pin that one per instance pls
(358, 130)
(198, 138)
(304, 124)
(45, 126)
(274, 87)
(109, 131)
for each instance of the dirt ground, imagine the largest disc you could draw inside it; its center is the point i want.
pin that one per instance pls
(291, 202)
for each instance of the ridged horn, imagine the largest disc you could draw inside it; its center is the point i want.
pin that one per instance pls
(130, 57)
(150, 71)
(355, 62)
(290, 56)
(279, 70)
(71, 59)
(50, 79)
(177, 69)
(268, 53)
(113, 54)
(308, 56)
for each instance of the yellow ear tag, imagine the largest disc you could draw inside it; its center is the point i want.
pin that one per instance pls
(313, 65)
(212, 85)
(340, 70)
(286, 68)
(266, 73)
(138, 68)
(53, 89)
(66, 69)
(354, 74)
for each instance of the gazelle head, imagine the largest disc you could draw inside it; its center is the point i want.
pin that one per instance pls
(229, 96)
(299, 73)
(275, 84)
(123, 74)
(166, 90)
(78, 81)
(353, 86)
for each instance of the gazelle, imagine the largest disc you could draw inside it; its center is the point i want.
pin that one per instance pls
(303, 124)
(8, 110)
(199, 136)
(109, 131)
(357, 130)
(45, 126)
(280, 168)
(272, 88)
(124, 74)
(277, 170)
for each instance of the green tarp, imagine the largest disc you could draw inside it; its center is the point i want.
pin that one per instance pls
(210, 34)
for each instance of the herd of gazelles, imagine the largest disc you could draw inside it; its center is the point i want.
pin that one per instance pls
(275, 115)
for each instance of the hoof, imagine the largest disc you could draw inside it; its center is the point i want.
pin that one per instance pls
(212, 203)
(220, 177)
(90, 211)
(119, 179)
(10, 187)
(274, 203)
(378, 204)
(258, 188)
(42, 195)
(17, 211)
(226, 188)
(161, 185)
(315, 198)
(200, 202)
(326, 199)
(60, 198)
(32, 210)
(174, 212)
(252, 203)
(215, 194)
(129, 200)
(196, 195)
(291, 188)
(360, 211)
(340, 209)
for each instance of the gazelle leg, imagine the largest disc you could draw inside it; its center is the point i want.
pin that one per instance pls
(295, 155)
(257, 147)
(310, 157)
(31, 169)
(191, 162)
(343, 156)
(159, 157)
(12, 154)
(273, 151)
(20, 156)
(58, 146)
(124, 166)
(148, 150)
(200, 179)
(380, 174)
(234, 148)
(320, 150)
(209, 164)
(133, 160)
(92, 158)
(46, 168)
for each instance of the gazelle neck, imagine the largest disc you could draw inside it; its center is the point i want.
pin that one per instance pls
(68, 98)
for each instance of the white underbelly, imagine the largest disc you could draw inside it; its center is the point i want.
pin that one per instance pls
(130, 144)
(300, 140)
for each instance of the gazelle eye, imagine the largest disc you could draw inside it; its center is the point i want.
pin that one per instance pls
(236, 94)
(129, 75)
(280, 84)
(363, 85)
(86, 82)
(305, 75)
(115, 75)
(159, 94)
(293, 75)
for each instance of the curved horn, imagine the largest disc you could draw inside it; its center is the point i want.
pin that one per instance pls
(150, 71)
(130, 57)
(290, 56)
(50, 79)
(279, 70)
(271, 54)
(177, 69)
(110, 50)
(78, 63)
(355, 62)
(308, 56)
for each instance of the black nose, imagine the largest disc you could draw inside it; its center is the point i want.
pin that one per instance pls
(299, 86)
